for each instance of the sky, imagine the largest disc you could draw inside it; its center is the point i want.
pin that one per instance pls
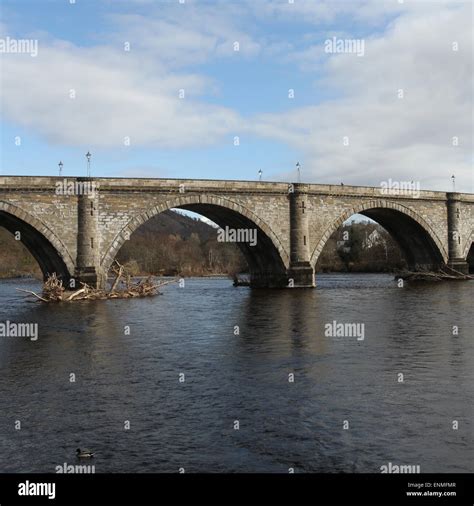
(222, 89)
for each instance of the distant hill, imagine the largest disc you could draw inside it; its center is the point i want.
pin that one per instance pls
(171, 222)
(172, 243)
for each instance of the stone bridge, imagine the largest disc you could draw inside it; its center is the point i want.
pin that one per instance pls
(75, 227)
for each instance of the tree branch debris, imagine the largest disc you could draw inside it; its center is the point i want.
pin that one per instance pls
(443, 274)
(122, 288)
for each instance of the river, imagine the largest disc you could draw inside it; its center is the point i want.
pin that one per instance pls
(237, 349)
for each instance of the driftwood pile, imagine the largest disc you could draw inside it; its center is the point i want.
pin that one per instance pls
(122, 288)
(444, 274)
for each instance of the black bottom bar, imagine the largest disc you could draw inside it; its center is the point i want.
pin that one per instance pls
(237, 489)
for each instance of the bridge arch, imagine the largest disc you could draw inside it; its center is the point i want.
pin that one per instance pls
(416, 237)
(468, 253)
(267, 260)
(47, 249)
(468, 245)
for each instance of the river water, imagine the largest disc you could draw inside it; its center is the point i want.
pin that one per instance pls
(242, 374)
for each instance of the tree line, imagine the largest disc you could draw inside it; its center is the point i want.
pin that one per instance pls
(172, 244)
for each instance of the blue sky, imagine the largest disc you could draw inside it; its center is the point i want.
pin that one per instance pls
(134, 94)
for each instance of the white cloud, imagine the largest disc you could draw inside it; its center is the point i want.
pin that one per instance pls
(115, 96)
(180, 35)
(132, 93)
(325, 12)
(402, 139)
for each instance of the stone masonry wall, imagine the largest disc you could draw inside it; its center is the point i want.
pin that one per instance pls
(122, 200)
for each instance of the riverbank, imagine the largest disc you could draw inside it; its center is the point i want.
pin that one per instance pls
(7, 275)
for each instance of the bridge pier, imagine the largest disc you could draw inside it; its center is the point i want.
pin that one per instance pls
(300, 273)
(87, 262)
(456, 260)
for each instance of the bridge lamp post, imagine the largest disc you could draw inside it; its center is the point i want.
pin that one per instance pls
(453, 179)
(298, 168)
(260, 175)
(60, 165)
(88, 156)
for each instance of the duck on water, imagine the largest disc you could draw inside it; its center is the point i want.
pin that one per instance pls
(84, 454)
